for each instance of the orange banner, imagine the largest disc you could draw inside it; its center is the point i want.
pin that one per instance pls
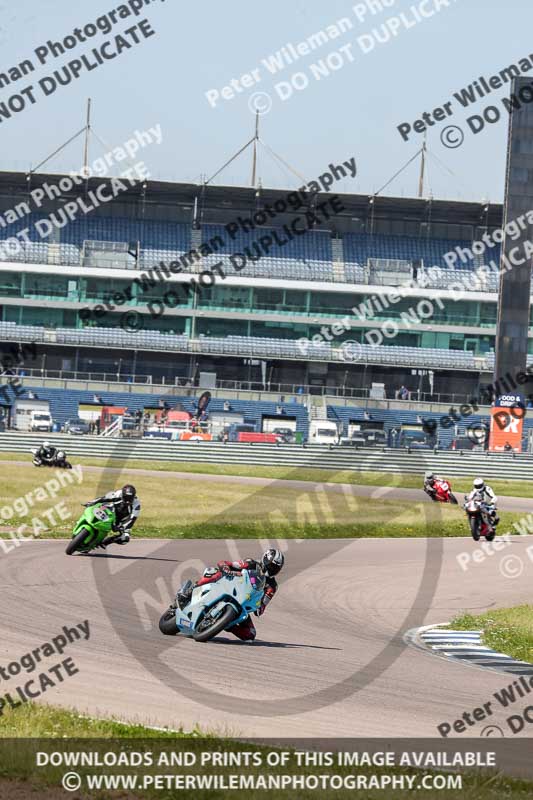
(506, 426)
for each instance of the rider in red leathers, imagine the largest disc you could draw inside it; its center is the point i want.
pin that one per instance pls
(270, 564)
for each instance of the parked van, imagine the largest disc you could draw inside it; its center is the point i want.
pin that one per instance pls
(323, 431)
(31, 415)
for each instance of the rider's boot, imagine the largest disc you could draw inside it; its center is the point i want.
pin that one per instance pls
(119, 538)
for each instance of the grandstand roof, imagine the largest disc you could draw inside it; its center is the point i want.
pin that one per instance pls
(163, 199)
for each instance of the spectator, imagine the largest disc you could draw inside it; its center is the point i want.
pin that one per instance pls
(97, 425)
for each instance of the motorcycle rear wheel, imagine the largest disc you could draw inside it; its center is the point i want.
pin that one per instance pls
(167, 623)
(228, 615)
(76, 542)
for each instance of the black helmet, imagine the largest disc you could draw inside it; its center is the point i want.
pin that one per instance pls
(272, 562)
(128, 492)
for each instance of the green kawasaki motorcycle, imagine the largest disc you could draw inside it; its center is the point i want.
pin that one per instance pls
(94, 525)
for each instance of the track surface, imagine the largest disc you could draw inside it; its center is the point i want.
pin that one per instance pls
(339, 605)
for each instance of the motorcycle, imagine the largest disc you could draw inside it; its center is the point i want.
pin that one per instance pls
(94, 525)
(215, 607)
(59, 461)
(443, 493)
(479, 518)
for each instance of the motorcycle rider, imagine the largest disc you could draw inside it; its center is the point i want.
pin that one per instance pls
(429, 483)
(488, 496)
(127, 508)
(46, 452)
(271, 563)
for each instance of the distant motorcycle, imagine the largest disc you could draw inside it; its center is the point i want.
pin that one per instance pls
(479, 518)
(443, 493)
(215, 607)
(59, 461)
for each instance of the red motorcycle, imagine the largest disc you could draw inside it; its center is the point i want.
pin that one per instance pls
(443, 493)
(479, 518)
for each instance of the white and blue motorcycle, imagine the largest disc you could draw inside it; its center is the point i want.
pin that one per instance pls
(215, 607)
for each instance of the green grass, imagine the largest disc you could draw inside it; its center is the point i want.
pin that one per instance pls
(399, 480)
(33, 728)
(185, 509)
(34, 720)
(507, 630)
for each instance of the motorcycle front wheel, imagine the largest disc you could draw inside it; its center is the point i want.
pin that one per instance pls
(77, 542)
(222, 622)
(475, 524)
(453, 499)
(167, 623)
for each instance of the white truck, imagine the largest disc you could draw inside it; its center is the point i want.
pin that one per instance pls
(31, 415)
(323, 431)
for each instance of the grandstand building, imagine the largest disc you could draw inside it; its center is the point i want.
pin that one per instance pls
(112, 291)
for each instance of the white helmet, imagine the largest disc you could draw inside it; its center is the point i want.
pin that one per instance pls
(479, 484)
(46, 444)
(429, 476)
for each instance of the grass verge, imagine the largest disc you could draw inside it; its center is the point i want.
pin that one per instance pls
(507, 630)
(398, 480)
(196, 508)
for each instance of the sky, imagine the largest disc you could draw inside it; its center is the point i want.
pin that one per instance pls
(376, 83)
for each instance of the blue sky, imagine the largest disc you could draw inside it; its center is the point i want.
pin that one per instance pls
(353, 112)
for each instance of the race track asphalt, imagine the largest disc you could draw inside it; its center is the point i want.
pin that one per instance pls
(329, 661)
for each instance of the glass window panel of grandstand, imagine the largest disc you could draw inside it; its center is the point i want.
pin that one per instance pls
(224, 297)
(10, 284)
(47, 287)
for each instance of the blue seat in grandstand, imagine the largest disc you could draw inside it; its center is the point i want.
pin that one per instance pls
(358, 248)
(306, 257)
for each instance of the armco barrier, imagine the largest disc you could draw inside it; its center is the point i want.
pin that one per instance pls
(448, 463)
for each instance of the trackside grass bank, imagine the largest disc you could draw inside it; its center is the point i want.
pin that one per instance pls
(368, 478)
(208, 508)
(507, 630)
(52, 730)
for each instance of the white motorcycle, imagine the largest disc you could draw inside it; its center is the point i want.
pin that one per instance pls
(215, 607)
